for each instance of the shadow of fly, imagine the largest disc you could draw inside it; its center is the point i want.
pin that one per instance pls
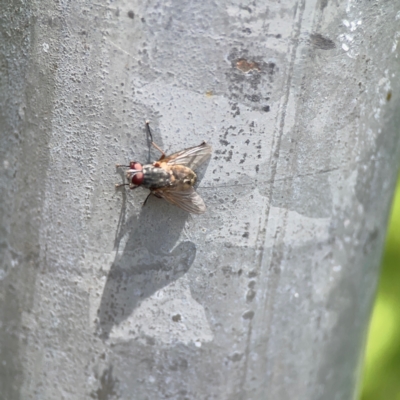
(171, 177)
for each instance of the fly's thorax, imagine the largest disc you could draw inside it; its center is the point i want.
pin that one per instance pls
(155, 177)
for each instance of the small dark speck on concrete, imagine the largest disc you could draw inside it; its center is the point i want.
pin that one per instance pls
(247, 141)
(257, 168)
(240, 272)
(131, 14)
(278, 36)
(389, 95)
(250, 295)
(224, 142)
(236, 356)
(107, 388)
(323, 4)
(254, 98)
(229, 156)
(245, 235)
(248, 315)
(252, 273)
(266, 108)
(322, 42)
(176, 318)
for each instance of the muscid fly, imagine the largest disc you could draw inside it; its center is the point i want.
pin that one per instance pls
(171, 177)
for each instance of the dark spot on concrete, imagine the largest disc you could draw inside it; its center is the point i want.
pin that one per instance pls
(247, 8)
(278, 36)
(247, 141)
(323, 4)
(236, 356)
(227, 271)
(224, 142)
(250, 295)
(251, 284)
(143, 20)
(255, 98)
(389, 95)
(266, 108)
(243, 159)
(252, 274)
(107, 386)
(240, 272)
(257, 168)
(271, 68)
(248, 315)
(131, 14)
(246, 30)
(322, 42)
(236, 109)
(176, 317)
(229, 157)
(246, 235)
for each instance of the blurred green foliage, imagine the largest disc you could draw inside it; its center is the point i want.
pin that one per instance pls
(381, 379)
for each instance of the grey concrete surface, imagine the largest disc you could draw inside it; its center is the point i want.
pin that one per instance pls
(265, 296)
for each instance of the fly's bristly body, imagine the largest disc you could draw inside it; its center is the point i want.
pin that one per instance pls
(171, 177)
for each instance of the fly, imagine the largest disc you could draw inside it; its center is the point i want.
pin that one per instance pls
(171, 177)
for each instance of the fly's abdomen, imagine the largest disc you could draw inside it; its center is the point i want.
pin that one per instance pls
(155, 177)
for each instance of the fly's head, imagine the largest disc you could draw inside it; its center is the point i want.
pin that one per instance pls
(134, 174)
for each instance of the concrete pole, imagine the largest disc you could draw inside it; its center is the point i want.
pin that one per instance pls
(265, 296)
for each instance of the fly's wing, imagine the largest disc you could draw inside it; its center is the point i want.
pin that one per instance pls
(192, 157)
(188, 200)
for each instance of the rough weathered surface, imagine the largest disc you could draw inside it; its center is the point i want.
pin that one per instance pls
(269, 292)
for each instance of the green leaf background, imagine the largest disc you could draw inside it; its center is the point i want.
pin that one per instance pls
(381, 376)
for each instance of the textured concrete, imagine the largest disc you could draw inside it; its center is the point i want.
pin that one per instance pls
(268, 294)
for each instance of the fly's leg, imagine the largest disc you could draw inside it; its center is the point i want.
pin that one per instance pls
(151, 138)
(145, 201)
(155, 194)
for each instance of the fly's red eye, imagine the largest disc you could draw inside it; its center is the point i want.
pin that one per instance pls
(135, 165)
(137, 179)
